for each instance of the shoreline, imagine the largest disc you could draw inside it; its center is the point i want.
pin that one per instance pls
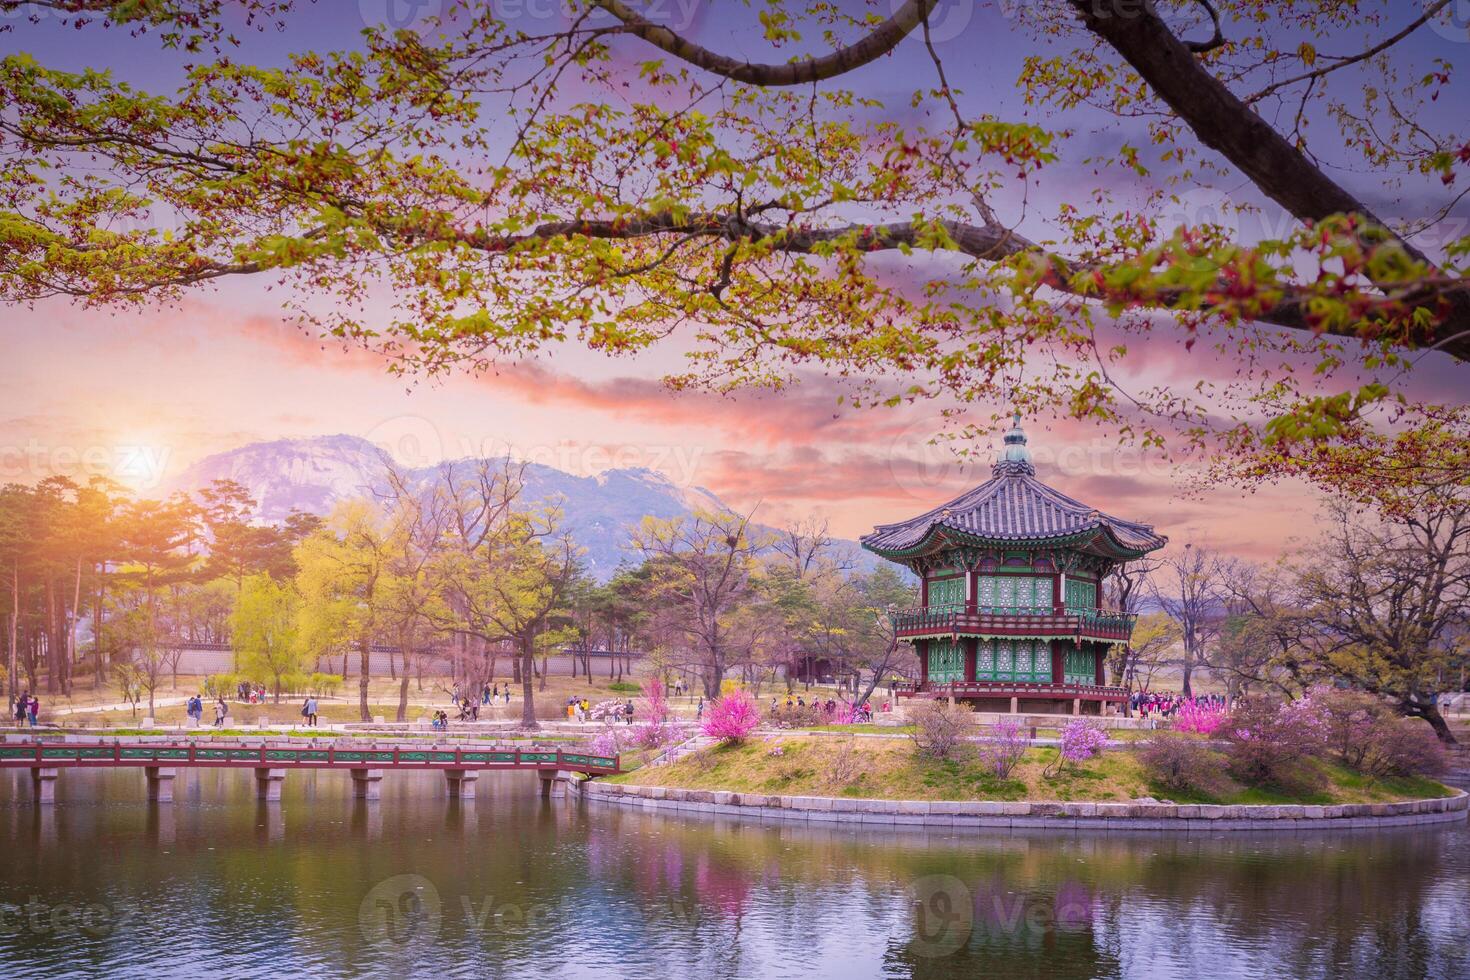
(1170, 817)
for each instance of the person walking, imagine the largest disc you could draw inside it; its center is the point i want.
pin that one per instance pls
(33, 709)
(220, 710)
(312, 706)
(22, 704)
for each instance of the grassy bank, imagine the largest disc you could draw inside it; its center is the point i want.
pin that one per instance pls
(890, 769)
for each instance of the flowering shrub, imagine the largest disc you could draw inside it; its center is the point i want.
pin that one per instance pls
(1200, 717)
(606, 711)
(1403, 747)
(607, 742)
(939, 727)
(732, 718)
(1081, 740)
(657, 734)
(1367, 734)
(1005, 749)
(1272, 744)
(657, 698)
(1183, 764)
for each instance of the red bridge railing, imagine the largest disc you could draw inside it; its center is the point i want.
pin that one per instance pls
(120, 753)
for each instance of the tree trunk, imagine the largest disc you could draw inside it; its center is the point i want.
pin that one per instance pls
(76, 615)
(53, 669)
(714, 677)
(525, 669)
(11, 677)
(402, 714)
(1430, 713)
(365, 653)
(97, 633)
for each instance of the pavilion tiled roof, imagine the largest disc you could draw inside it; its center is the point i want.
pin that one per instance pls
(1014, 506)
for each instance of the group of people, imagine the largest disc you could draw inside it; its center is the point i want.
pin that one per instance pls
(489, 694)
(829, 707)
(194, 709)
(578, 709)
(469, 709)
(1162, 704)
(250, 693)
(25, 709)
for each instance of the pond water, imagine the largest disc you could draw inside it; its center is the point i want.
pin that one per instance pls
(511, 885)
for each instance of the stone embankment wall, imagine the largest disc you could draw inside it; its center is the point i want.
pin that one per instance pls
(1060, 816)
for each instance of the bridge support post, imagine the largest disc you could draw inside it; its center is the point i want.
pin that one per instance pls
(268, 784)
(44, 781)
(160, 783)
(548, 779)
(461, 783)
(1076, 706)
(367, 784)
(1015, 705)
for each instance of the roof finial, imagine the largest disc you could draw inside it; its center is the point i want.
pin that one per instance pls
(1015, 457)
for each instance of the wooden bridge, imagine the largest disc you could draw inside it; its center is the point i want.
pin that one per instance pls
(161, 760)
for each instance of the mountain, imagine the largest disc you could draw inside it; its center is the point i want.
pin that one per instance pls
(315, 473)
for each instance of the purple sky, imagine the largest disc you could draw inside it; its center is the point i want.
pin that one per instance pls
(84, 389)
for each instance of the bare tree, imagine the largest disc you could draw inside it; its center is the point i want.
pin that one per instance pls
(1385, 601)
(1188, 585)
(807, 545)
(1265, 632)
(703, 567)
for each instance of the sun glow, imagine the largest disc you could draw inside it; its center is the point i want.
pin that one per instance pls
(139, 460)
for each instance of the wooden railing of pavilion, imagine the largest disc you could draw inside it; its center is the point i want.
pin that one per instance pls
(968, 619)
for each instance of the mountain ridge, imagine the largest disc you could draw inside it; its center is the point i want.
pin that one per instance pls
(313, 473)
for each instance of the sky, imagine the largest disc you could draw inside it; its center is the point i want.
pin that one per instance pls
(140, 395)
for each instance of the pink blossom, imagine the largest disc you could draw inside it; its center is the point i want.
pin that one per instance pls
(1200, 717)
(733, 717)
(1081, 740)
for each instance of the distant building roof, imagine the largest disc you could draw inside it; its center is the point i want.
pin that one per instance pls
(1014, 506)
